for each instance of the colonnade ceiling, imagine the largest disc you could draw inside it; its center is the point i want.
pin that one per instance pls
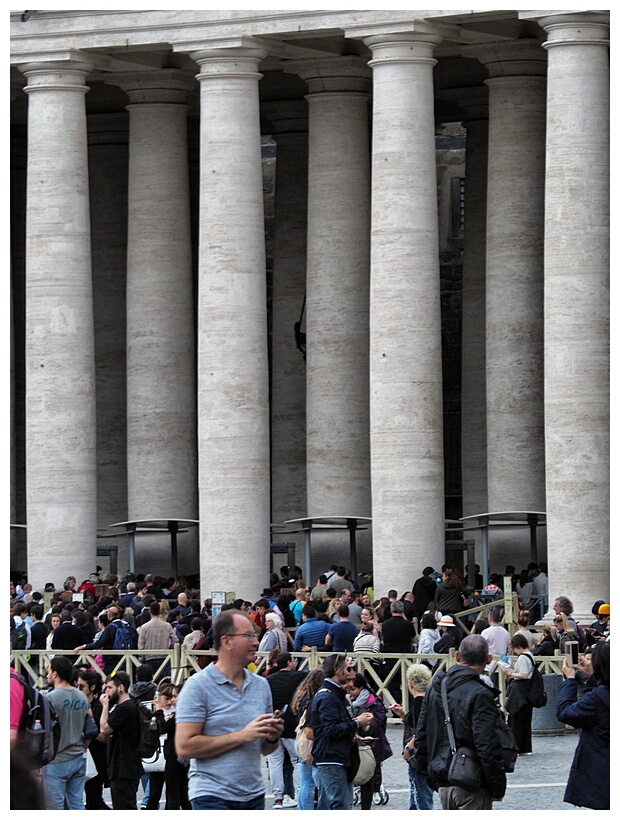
(121, 41)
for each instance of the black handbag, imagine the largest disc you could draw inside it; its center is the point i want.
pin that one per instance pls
(465, 770)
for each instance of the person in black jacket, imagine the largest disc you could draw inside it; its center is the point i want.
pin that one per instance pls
(588, 781)
(475, 721)
(423, 592)
(334, 730)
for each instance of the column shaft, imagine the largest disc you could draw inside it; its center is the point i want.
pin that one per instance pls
(288, 369)
(108, 157)
(61, 465)
(161, 398)
(232, 329)
(577, 309)
(405, 319)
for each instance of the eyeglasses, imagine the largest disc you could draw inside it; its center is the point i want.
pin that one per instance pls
(249, 636)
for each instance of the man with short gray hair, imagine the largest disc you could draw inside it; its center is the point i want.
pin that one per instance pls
(398, 636)
(475, 719)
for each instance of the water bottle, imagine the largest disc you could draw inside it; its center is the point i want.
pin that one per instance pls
(153, 724)
(37, 726)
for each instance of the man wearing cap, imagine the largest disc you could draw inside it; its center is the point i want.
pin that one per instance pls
(600, 627)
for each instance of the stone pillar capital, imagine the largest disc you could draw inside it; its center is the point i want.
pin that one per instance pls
(235, 56)
(62, 72)
(473, 101)
(402, 47)
(333, 74)
(512, 58)
(583, 28)
(166, 85)
(288, 117)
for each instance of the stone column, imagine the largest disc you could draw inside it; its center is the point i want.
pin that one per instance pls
(18, 151)
(514, 287)
(107, 158)
(61, 463)
(233, 394)
(288, 371)
(338, 273)
(474, 104)
(161, 397)
(406, 426)
(577, 308)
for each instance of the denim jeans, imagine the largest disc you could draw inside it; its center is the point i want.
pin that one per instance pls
(420, 793)
(276, 763)
(65, 781)
(305, 795)
(335, 791)
(211, 802)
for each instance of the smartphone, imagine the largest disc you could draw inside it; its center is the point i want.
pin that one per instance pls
(283, 710)
(572, 652)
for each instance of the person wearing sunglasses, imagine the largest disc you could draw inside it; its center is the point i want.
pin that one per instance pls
(334, 728)
(225, 720)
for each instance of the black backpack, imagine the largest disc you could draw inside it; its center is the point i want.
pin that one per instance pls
(19, 635)
(38, 736)
(537, 697)
(149, 730)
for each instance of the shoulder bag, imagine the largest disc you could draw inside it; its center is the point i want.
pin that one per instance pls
(465, 770)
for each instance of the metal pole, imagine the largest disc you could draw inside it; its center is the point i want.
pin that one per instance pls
(308, 554)
(131, 529)
(351, 524)
(173, 526)
(484, 538)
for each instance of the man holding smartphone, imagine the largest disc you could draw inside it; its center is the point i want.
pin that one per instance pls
(225, 721)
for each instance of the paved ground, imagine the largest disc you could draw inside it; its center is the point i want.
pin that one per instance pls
(536, 785)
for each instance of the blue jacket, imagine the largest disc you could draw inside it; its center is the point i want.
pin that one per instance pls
(588, 781)
(334, 728)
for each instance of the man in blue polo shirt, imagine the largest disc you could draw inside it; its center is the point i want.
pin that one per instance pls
(225, 721)
(311, 632)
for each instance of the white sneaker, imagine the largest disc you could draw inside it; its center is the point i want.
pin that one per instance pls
(289, 802)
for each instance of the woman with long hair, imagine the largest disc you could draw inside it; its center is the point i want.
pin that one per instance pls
(174, 775)
(565, 631)
(429, 636)
(449, 593)
(548, 641)
(90, 683)
(304, 693)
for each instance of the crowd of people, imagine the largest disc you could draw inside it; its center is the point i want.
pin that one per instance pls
(333, 710)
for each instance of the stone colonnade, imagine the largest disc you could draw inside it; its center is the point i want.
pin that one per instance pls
(536, 218)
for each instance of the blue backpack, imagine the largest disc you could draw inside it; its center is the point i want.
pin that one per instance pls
(122, 638)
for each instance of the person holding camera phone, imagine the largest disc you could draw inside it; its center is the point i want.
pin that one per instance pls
(588, 782)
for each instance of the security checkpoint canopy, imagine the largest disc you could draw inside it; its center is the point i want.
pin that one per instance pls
(509, 519)
(156, 525)
(330, 523)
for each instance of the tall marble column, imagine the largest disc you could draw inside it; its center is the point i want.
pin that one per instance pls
(514, 288)
(289, 121)
(406, 427)
(61, 463)
(577, 308)
(474, 103)
(108, 136)
(233, 389)
(161, 392)
(338, 273)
